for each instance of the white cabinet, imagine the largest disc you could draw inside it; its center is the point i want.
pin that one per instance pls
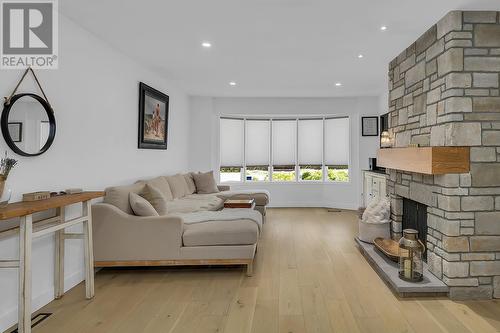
(374, 186)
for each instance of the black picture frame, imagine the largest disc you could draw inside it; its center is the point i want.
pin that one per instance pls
(18, 127)
(369, 126)
(152, 133)
(4, 124)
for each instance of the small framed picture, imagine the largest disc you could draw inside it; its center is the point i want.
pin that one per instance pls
(369, 126)
(153, 118)
(16, 131)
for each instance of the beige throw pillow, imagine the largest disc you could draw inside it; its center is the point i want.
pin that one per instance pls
(205, 182)
(155, 198)
(178, 185)
(141, 206)
(190, 183)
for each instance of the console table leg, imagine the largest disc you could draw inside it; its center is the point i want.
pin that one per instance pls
(89, 251)
(24, 306)
(59, 259)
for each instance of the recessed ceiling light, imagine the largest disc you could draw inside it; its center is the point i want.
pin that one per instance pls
(383, 28)
(232, 83)
(338, 84)
(360, 56)
(206, 44)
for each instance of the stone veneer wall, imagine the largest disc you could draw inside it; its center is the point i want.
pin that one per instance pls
(444, 91)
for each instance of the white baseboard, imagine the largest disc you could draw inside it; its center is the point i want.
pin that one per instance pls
(338, 205)
(9, 318)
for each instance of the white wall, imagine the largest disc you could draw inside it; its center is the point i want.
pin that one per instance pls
(95, 97)
(205, 146)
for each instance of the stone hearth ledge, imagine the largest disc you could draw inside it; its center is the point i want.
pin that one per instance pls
(388, 271)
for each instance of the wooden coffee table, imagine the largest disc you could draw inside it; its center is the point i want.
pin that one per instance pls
(240, 203)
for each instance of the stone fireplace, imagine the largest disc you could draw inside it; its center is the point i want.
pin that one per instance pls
(444, 91)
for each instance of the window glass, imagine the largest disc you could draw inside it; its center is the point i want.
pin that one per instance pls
(230, 174)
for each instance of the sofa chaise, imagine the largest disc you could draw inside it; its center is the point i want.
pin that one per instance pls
(196, 230)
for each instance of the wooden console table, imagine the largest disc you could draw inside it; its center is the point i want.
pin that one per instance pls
(29, 229)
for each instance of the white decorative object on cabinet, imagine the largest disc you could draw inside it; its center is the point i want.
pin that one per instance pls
(374, 186)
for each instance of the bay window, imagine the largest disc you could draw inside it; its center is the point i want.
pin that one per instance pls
(257, 149)
(337, 149)
(280, 149)
(310, 149)
(284, 148)
(231, 149)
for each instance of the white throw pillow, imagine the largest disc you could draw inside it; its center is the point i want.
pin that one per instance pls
(141, 206)
(377, 212)
(367, 214)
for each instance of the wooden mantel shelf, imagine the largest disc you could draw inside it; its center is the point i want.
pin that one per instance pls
(426, 160)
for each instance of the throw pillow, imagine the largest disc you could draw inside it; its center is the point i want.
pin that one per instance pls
(141, 206)
(377, 212)
(178, 185)
(155, 198)
(190, 183)
(205, 183)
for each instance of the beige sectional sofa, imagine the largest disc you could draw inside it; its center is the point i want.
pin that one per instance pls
(195, 231)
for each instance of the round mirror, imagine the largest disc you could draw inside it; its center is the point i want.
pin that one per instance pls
(28, 124)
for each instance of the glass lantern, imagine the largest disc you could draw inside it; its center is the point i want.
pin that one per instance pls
(411, 250)
(386, 139)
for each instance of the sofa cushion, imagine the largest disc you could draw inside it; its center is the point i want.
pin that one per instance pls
(195, 203)
(190, 183)
(178, 185)
(205, 182)
(261, 196)
(207, 201)
(237, 232)
(118, 196)
(155, 198)
(141, 206)
(162, 185)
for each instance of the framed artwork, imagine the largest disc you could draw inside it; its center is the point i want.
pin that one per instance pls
(16, 131)
(369, 126)
(153, 118)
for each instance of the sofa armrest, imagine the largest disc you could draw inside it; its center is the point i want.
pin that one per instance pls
(223, 188)
(119, 236)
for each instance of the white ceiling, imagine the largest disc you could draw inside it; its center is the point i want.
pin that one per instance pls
(269, 47)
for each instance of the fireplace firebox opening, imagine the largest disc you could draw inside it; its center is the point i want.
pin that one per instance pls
(415, 217)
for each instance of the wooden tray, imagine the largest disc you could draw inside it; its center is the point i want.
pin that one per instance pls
(241, 203)
(388, 247)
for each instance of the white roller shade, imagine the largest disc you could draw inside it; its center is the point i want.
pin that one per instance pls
(257, 142)
(310, 141)
(284, 139)
(337, 141)
(231, 142)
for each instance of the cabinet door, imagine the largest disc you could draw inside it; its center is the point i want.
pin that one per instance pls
(367, 189)
(382, 188)
(375, 188)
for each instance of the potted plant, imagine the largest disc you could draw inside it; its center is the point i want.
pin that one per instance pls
(6, 165)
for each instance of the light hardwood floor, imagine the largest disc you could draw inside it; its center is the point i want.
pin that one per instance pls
(309, 277)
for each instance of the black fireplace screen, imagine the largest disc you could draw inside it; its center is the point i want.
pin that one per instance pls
(415, 217)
